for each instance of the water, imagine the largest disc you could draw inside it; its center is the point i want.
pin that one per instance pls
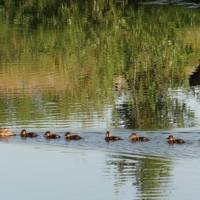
(92, 168)
(94, 67)
(174, 2)
(157, 146)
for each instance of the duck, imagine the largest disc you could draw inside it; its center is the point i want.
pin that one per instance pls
(171, 140)
(6, 132)
(134, 137)
(48, 135)
(25, 134)
(72, 137)
(113, 138)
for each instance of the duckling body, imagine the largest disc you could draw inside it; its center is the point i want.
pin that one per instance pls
(179, 141)
(54, 136)
(48, 135)
(72, 137)
(142, 139)
(171, 140)
(113, 138)
(25, 134)
(6, 132)
(134, 137)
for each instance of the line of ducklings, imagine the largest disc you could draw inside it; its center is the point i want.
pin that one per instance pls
(48, 135)
(5, 132)
(134, 138)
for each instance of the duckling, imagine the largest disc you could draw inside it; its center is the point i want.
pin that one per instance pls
(134, 137)
(51, 136)
(72, 137)
(6, 132)
(25, 134)
(171, 140)
(113, 138)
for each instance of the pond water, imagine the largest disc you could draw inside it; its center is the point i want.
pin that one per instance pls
(94, 169)
(94, 67)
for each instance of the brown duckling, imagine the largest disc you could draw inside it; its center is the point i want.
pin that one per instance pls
(72, 137)
(113, 138)
(6, 132)
(25, 134)
(171, 140)
(134, 137)
(48, 135)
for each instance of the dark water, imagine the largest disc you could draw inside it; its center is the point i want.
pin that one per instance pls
(94, 67)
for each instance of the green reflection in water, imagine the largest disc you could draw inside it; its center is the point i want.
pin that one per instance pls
(62, 60)
(150, 175)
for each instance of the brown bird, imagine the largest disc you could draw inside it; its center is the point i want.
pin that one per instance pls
(113, 138)
(48, 135)
(72, 137)
(134, 137)
(171, 140)
(25, 134)
(6, 132)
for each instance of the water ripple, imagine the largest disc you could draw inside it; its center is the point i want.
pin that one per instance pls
(157, 146)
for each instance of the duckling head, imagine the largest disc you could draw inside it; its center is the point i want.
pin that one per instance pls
(170, 138)
(47, 134)
(133, 135)
(68, 135)
(23, 132)
(107, 134)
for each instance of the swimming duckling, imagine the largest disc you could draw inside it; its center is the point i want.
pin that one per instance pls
(134, 137)
(48, 135)
(113, 138)
(25, 134)
(171, 140)
(6, 132)
(72, 137)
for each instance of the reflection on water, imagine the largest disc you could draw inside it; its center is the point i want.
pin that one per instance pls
(149, 175)
(89, 67)
(97, 73)
(81, 173)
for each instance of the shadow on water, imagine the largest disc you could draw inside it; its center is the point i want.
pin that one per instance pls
(194, 79)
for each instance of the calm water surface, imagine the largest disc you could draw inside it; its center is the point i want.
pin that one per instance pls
(94, 67)
(87, 168)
